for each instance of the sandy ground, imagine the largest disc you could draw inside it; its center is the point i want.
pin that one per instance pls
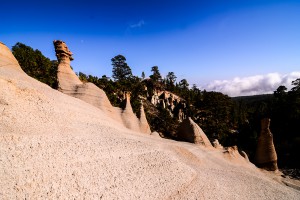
(53, 146)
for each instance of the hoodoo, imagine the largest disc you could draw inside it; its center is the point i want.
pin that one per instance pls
(189, 131)
(67, 79)
(53, 146)
(144, 126)
(70, 84)
(129, 118)
(266, 156)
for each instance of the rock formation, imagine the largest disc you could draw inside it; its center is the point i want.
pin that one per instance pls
(144, 126)
(155, 134)
(266, 156)
(129, 118)
(173, 103)
(234, 156)
(70, 84)
(243, 153)
(217, 145)
(67, 79)
(7, 58)
(53, 146)
(189, 131)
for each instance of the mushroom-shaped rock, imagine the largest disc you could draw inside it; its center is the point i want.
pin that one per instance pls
(69, 83)
(265, 156)
(189, 131)
(67, 79)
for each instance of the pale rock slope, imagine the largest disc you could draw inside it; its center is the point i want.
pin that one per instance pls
(54, 146)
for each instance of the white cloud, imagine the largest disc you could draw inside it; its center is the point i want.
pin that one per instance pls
(138, 25)
(252, 85)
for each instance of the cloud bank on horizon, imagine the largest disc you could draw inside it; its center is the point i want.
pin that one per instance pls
(253, 85)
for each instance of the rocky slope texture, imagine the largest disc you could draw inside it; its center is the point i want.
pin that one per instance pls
(69, 83)
(265, 155)
(54, 146)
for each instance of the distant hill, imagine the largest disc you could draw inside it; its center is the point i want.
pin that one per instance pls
(253, 98)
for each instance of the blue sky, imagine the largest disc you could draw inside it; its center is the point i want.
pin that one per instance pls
(238, 47)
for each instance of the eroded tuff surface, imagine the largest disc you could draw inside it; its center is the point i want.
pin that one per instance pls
(53, 146)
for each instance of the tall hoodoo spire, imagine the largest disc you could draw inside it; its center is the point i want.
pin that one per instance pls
(67, 79)
(266, 156)
(62, 51)
(144, 126)
(69, 83)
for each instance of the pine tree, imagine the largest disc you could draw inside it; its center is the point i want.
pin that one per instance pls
(121, 71)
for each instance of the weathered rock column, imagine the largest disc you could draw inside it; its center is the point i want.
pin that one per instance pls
(130, 120)
(144, 126)
(67, 79)
(266, 156)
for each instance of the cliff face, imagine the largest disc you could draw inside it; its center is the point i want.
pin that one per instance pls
(70, 84)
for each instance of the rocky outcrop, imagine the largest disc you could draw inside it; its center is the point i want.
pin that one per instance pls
(129, 118)
(144, 126)
(265, 156)
(233, 155)
(243, 153)
(217, 145)
(173, 103)
(70, 84)
(189, 131)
